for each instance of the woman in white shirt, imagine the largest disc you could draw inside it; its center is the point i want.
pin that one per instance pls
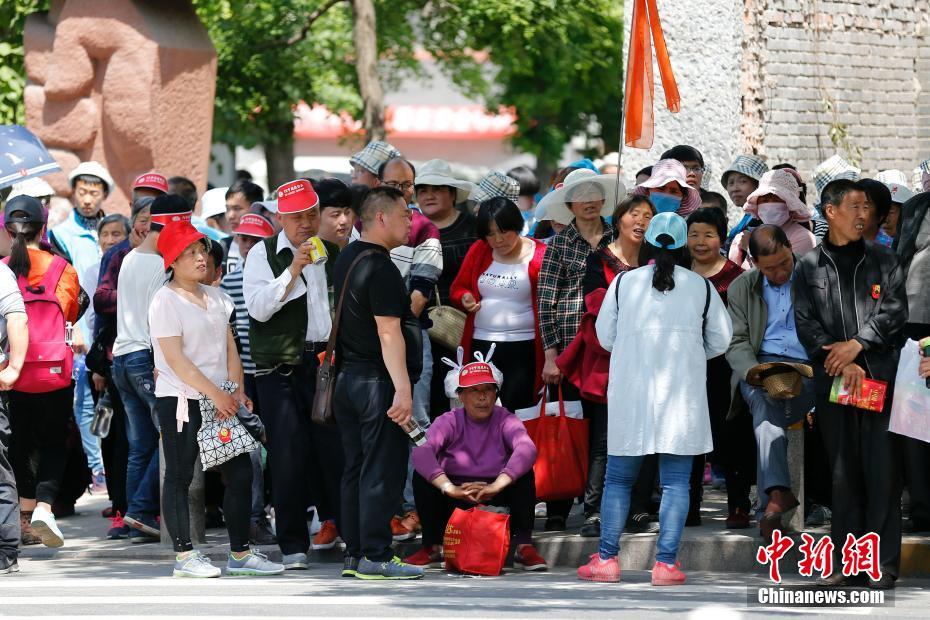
(194, 354)
(653, 323)
(496, 286)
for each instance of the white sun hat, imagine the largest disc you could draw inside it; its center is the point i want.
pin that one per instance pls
(92, 168)
(581, 185)
(439, 172)
(783, 184)
(896, 182)
(35, 187)
(213, 202)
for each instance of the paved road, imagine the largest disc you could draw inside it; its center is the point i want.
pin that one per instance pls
(62, 588)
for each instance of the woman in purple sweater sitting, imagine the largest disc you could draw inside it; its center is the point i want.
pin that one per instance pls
(476, 454)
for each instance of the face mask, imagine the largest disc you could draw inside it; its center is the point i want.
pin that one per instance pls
(774, 213)
(665, 203)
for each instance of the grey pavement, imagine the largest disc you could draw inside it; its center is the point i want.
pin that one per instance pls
(92, 577)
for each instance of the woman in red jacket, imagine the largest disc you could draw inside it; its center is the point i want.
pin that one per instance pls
(496, 286)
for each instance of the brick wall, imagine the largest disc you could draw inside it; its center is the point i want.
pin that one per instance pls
(869, 58)
(754, 75)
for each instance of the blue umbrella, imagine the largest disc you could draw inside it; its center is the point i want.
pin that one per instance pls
(22, 156)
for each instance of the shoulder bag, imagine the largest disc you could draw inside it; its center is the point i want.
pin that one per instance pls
(448, 324)
(322, 411)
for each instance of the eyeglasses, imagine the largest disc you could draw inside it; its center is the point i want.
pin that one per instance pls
(694, 169)
(404, 187)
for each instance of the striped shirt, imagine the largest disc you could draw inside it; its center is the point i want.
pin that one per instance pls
(232, 286)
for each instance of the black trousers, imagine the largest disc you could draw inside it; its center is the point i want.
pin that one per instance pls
(435, 508)
(376, 452)
(641, 500)
(438, 401)
(9, 498)
(517, 362)
(915, 458)
(181, 456)
(115, 448)
(38, 449)
(865, 462)
(734, 441)
(597, 456)
(305, 459)
(818, 483)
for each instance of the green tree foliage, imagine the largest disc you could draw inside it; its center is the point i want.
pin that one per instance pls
(12, 74)
(559, 64)
(555, 62)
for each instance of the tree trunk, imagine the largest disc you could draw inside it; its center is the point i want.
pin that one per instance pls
(366, 68)
(279, 155)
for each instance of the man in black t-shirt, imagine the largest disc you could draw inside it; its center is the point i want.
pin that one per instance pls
(379, 357)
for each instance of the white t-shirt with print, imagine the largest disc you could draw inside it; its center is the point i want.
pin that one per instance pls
(202, 332)
(506, 313)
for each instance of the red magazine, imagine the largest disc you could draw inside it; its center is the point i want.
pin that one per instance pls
(872, 397)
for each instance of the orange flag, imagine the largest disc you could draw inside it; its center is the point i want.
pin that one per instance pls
(640, 87)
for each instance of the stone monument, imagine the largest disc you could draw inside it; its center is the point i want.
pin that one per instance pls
(127, 83)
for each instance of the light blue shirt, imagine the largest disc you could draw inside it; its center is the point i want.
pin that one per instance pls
(781, 336)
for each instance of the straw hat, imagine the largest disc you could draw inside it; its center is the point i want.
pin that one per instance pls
(783, 184)
(580, 185)
(782, 380)
(665, 171)
(439, 172)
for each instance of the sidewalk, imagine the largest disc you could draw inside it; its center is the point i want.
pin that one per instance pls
(708, 547)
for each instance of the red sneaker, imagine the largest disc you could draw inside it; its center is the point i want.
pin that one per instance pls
(597, 569)
(427, 558)
(327, 537)
(529, 559)
(667, 575)
(400, 531)
(411, 521)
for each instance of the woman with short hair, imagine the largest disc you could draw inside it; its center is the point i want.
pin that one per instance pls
(497, 287)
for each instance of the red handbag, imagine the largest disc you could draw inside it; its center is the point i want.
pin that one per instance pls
(561, 468)
(476, 541)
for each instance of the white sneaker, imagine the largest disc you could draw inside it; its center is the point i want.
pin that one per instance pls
(44, 525)
(195, 564)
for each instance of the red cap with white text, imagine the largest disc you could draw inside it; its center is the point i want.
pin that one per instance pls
(296, 196)
(476, 373)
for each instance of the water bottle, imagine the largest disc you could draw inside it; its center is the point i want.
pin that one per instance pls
(417, 435)
(103, 415)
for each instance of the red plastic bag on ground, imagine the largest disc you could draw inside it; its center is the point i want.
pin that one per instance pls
(561, 467)
(476, 541)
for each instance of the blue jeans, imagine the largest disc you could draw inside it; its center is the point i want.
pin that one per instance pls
(84, 415)
(421, 398)
(770, 418)
(622, 471)
(133, 375)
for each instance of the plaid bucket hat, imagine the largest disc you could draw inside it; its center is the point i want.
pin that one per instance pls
(373, 155)
(832, 169)
(497, 184)
(750, 165)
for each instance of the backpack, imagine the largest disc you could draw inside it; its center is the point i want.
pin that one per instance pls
(49, 359)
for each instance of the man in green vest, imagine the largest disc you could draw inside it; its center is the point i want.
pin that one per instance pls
(285, 294)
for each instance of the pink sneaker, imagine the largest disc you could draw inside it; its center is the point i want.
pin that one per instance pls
(667, 575)
(607, 571)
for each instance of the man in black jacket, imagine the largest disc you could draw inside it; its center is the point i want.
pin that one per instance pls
(850, 311)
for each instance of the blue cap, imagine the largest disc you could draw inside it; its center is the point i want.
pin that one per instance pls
(670, 224)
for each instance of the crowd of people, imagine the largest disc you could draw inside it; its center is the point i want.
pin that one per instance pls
(291, 344)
